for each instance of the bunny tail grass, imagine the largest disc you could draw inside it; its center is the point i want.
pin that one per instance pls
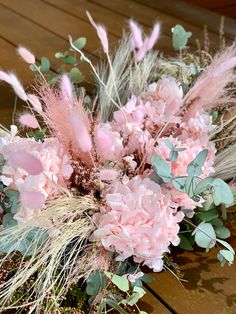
(225, 163)
(57, 254)
(122, 78)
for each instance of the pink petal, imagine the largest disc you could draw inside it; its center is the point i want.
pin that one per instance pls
(5, 77)
(32, 200)
(80, 131)
(101, 31)
(29, 120)
(26, 55)
(35, 102)
(108, 174)
(154, 36)
(27, 162)
(136, 34)
(103, 139)
(67, 88)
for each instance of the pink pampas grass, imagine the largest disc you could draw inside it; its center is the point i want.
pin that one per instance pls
(209, 89)
(57, 116)
(26, 55)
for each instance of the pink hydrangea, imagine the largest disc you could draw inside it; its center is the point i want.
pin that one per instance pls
(109, 144)
(198, 128)
(56, 170)
(138, 221)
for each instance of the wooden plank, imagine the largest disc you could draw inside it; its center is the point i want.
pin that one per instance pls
(152, 305)
(228, 11)
(41, 41)
(212, 4)
(62, 23)
(209, 287)
(58, 22)
(147, 15)
(193, 14)
(9, 61)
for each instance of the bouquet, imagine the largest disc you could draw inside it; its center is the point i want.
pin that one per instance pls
(94, 188)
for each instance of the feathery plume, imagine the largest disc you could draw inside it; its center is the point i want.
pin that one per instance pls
(26, 55)
(29, 120)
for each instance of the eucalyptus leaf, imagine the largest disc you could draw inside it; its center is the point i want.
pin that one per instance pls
(120, 281)
(95, 283)
(227, 255)
(180, 37)
(190, 185)
(79, 43)
(222, 193)
(226, 245)
(204, 185)
(195, 166)
(76, 76)
(45, 64)
(184, 243)
(222, 232)
(70, 60)
(205, 236)
(208, 215)
(161, 168)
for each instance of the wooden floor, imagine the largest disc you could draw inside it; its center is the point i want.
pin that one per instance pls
(224, 7)
(43, 26)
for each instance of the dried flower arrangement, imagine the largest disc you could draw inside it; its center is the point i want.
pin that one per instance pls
(97, 188)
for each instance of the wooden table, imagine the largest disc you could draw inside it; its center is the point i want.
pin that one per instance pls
(43, 27)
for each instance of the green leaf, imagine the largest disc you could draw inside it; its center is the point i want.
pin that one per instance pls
(79, 43)
(190, 185)
(133, 299)
(115, 306)
(204, 185)
(195, 166)
(208, 215)
(222, 232)
(120, 281)
(169, 144)
(173, 155)
(180, 37)
(59, 54)
(205, 236)
(141, 292)
(226, 245)
(184, 243)
(45, 64)
(227, 255)
(161, 168)
(147, 278)
(222, 193)
(8, 221)
(179, 183)
(76, 76)
(70, 60)
(95, 283)
(217, 222)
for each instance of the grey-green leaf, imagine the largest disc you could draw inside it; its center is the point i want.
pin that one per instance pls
(180, 37)
(162, 168)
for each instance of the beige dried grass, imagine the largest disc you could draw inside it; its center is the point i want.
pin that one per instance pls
(67, 223)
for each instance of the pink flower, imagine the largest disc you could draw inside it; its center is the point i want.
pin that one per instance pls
(169, 92)
(108, 143)
(56, 170)
(138, 221)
